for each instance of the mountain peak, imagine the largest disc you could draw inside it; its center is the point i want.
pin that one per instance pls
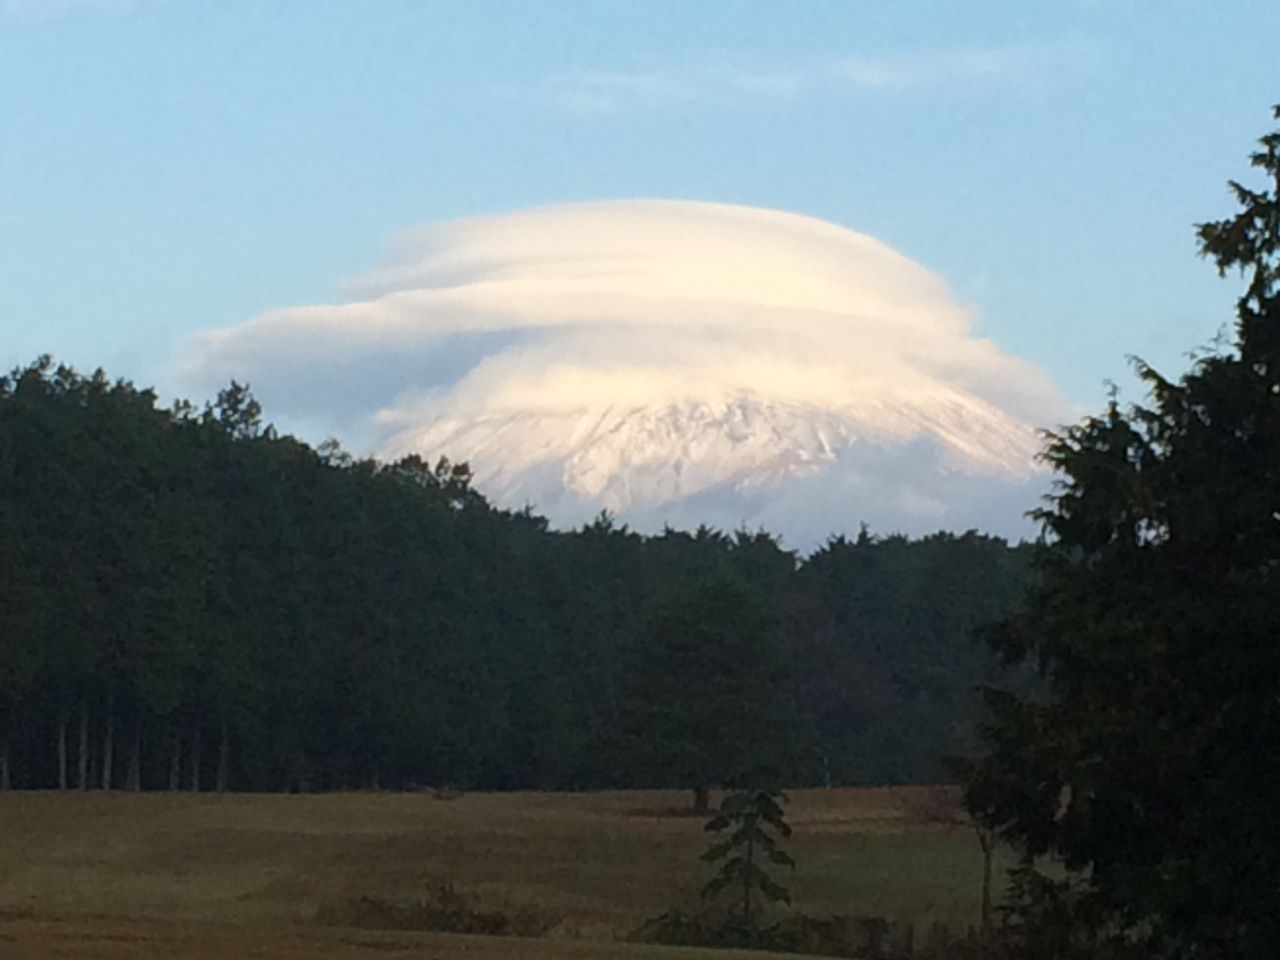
(671, 361)
(636, 460)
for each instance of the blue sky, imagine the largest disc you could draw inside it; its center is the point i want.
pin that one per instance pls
(174, 166)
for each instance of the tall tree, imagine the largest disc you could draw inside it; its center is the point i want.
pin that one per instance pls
(708, 703)
(1150, 765)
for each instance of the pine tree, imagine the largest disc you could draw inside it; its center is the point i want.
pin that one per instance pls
(1151, 765)
(754, 822)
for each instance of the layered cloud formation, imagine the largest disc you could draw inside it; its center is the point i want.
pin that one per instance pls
(569, 321)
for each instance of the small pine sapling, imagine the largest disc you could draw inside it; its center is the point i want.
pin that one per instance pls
(754, 817)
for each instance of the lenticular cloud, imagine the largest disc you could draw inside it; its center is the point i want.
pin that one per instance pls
(670, 361)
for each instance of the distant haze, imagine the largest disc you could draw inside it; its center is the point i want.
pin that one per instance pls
(670, 361)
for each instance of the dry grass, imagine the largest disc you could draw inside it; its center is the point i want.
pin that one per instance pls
(27, 939)
(265, 863)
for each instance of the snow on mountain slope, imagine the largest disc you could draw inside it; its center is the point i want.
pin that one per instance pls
(633, 460)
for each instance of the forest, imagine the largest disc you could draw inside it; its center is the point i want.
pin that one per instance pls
(192, 600)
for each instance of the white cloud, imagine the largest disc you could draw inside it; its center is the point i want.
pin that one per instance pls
(723, 80)
(968, 65)
(509, 339)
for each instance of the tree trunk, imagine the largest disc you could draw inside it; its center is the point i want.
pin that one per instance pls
(195, 761)
(6, 782)
(109, 744)
(82, 766)
(701, 798)
(175, 761)
(224, 758)
(62, 750)
(987, 842)
(133, 779)
(302, 773)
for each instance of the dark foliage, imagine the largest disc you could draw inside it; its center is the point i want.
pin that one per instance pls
(702, 700)
(1151, 767)
(190, 600)
(864, 937)
(445, 909)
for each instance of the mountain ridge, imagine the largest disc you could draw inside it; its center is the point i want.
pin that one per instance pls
(637, 459)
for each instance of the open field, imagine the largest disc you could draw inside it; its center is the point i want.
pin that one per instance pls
(145, 874)
(25, 939)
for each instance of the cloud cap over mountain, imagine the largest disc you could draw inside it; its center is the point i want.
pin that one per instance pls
(660, 357)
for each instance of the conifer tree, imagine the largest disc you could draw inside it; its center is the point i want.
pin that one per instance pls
(1151, 765)
(754, 823)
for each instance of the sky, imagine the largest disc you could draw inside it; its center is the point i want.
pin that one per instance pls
(170, 169)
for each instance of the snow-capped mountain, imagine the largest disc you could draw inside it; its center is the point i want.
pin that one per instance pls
(669, 361)
(735, 456)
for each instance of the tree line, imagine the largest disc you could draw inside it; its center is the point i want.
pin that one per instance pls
(191, 600)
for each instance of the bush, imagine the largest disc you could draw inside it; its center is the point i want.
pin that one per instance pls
(870, 937)
(445, 909)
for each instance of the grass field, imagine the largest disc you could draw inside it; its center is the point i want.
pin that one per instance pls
(116, 875)
(27, 939)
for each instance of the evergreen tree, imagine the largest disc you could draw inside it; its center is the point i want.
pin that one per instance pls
(708, 702)
(1150, 765)
(754, 821)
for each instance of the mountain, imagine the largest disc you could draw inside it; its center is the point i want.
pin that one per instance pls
(736, 458)
(672, 362)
